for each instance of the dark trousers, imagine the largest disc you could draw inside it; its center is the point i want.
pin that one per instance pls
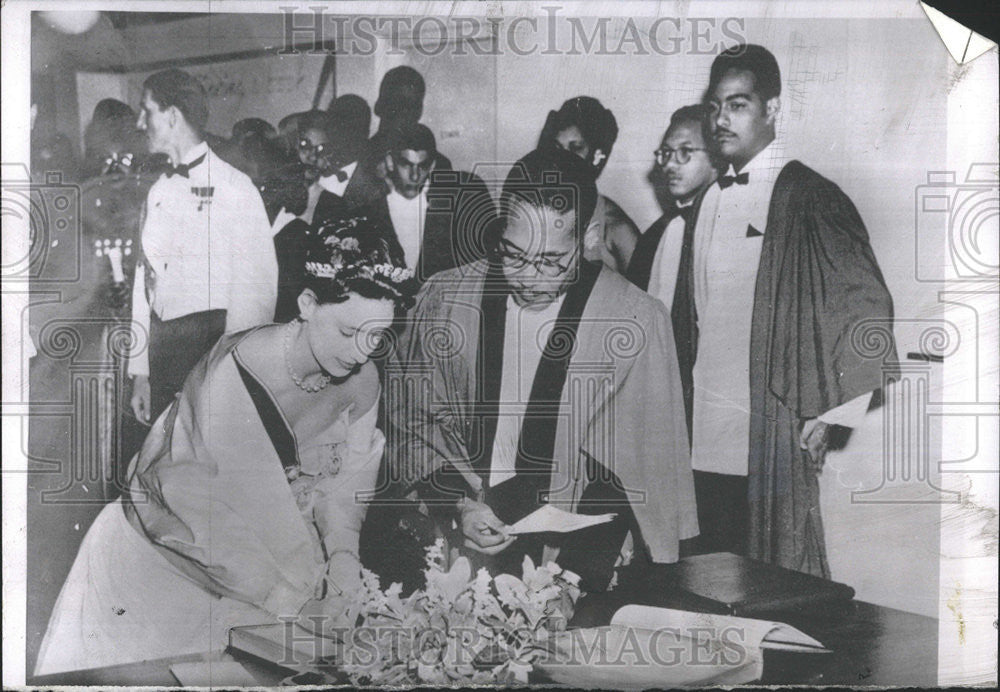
(175, 347)
(723, 514)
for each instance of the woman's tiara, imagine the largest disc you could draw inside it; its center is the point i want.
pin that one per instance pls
(339, 251)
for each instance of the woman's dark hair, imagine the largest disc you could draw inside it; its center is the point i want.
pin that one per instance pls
(351, 256)
(596, 123)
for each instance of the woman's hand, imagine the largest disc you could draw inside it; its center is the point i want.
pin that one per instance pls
(483, 531)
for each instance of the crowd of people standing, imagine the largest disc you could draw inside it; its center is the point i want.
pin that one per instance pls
(277, 266)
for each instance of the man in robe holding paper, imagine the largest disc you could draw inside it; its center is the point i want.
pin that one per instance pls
(535, 377)
(783, 281)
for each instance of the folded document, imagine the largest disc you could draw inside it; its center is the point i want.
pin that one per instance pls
(549, 518)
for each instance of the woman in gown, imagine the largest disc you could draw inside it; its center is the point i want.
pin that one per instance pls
(584, 127)
(245, 502)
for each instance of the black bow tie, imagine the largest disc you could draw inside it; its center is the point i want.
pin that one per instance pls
(341, 175)
(185, 168)
(684, 212)
(727, 180)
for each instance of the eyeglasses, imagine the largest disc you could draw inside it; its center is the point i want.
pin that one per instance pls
(681, 155)
(307, 147)
(543, 265)
(117, 163)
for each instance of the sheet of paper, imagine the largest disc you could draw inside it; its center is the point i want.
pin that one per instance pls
(551, 518)
(213, 674)
(763, 633)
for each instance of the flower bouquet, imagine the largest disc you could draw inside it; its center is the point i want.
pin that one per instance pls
(460, 629)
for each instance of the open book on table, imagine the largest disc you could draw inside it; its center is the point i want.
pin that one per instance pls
(647, 646)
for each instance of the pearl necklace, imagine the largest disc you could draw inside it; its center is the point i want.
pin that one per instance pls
(310, 388)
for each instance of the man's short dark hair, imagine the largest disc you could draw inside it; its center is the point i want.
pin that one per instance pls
(314, 120)
(178, 88)
(553, 178)
(412, 136)
(400, 87)
(751, 58)
(252, 127)
(351, 113)
(697, 114)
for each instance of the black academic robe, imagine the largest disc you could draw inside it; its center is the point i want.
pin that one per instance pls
(443, 391)
(683, 316)
(460, 217)
(821, 336)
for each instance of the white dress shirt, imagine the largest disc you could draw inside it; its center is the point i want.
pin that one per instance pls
(206, 245)
(666, 261)
(725, 273)
(408, 216)
(525, 334)
(330, 183)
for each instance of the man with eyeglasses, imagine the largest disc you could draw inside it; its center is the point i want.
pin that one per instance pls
(687, 165)
(346, 185)
(782, 277)
(535, 377)
(437, 219)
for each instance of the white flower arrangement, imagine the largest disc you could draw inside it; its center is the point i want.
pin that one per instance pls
(460, 628)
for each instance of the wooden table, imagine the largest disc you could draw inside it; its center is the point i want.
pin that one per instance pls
(872, 645)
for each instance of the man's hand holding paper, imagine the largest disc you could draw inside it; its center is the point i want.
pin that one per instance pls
(551, 519)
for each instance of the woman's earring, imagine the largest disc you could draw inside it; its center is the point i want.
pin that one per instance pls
(599, 156)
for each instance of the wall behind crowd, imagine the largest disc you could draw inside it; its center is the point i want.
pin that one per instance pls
(853, 108)
(858, 106)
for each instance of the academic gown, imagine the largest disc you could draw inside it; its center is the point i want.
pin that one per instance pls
(817, 285)
(606, 393)
(683, 315)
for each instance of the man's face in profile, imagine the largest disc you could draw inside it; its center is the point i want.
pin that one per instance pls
(742, 122)
(408, 170)
(539, 252)
(155, 123)
(686, 164)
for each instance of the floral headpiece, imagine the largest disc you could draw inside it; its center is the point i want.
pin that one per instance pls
(344, 257)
